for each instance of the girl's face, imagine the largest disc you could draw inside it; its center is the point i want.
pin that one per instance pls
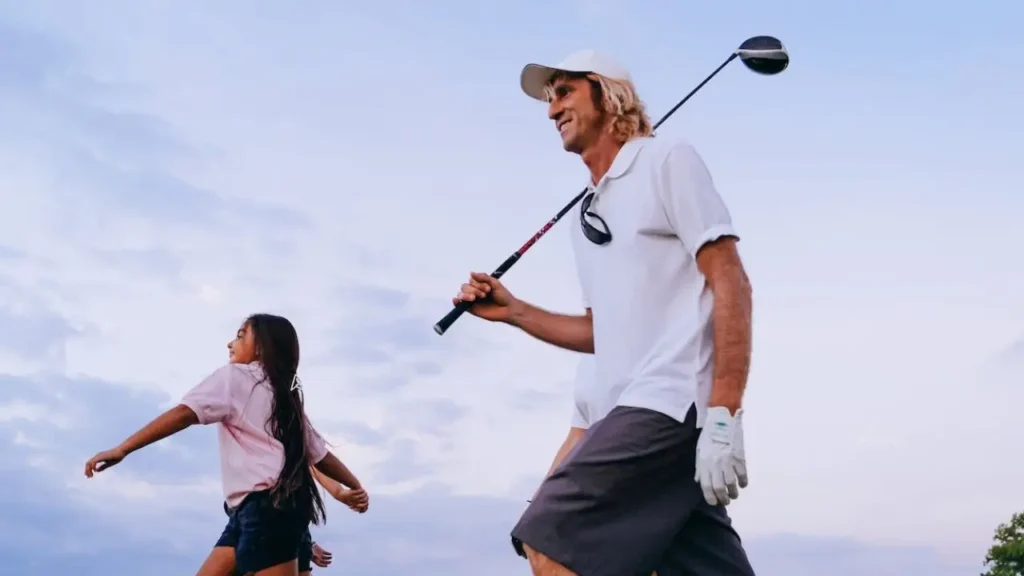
(242, 350)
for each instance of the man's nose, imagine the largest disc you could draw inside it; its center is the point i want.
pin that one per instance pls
(554, 110)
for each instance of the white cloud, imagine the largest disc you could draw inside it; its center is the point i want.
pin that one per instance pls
(210, 295)
(33, 412)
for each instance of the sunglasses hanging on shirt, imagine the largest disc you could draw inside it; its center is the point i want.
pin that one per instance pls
(594, 227)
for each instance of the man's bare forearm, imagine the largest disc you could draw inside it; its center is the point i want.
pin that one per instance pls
(732, 339)
(571, 332)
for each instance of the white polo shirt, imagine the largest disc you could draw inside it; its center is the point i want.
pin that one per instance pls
(650, 303)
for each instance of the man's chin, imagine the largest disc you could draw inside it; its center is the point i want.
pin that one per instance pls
(571, 145)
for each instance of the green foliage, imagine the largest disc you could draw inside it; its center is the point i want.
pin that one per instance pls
(1006, 556)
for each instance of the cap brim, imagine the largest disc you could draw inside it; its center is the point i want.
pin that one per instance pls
(534, 78)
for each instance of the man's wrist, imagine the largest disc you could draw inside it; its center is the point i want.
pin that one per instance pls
(730, 402)
(517, 310)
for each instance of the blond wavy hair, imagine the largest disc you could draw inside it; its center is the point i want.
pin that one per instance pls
(617, 99)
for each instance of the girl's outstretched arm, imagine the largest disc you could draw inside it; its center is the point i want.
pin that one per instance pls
(333, 487)
(169, 423)
(332, 474)
(210, 401)
(332, 468)
(356, 499)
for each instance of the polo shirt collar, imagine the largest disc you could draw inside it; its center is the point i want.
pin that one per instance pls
(625, 159)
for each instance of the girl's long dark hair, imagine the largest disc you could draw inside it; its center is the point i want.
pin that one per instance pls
(277, 348)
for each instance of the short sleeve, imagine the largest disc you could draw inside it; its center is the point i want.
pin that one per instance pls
(211, 399)
(316, 446)
(695, 211)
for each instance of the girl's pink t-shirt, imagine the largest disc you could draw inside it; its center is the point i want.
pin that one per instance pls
(239, 400)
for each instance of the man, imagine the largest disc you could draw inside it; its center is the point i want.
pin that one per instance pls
(667, 314)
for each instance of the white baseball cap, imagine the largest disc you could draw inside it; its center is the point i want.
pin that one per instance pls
(535, 76)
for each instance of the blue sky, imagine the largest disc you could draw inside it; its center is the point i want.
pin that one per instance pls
(168, 168)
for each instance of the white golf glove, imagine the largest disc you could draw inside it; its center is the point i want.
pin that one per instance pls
(721, 464)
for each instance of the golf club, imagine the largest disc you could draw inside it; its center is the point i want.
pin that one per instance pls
(762, 54)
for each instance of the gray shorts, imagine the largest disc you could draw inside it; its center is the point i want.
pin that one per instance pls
(624, 503)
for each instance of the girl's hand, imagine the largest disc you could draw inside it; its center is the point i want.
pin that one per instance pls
(103, 460)
(357, 500)
(321, 557)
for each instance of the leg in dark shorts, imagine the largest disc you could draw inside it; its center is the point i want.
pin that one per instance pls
(306, 552)
(624, 503)
(262, 536)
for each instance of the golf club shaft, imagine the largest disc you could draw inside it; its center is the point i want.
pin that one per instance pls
(459, 309)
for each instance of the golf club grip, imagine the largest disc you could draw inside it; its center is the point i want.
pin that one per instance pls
(458, 310)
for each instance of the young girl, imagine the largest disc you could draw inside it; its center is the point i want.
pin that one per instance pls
(267, 448)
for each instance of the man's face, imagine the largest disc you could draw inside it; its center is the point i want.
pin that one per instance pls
(572, 108)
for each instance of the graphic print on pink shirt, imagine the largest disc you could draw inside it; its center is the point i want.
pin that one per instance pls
(239, 399)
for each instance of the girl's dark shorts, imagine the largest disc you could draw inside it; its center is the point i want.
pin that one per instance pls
(306, 552)
(262, 535)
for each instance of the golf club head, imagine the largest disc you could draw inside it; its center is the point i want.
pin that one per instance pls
(764, 55)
